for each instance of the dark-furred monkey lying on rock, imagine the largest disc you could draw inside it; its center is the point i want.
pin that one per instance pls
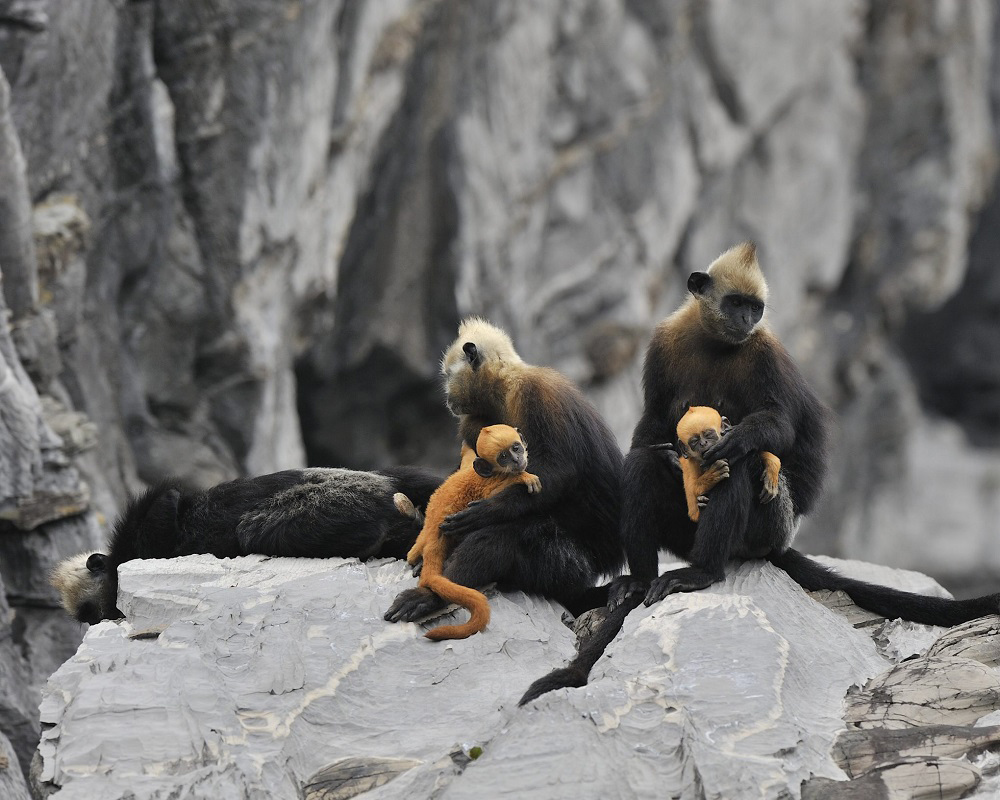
(316, 513)
(500, 460)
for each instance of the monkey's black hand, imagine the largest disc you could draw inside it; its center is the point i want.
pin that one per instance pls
(669, 455)
(731, 447)
(470, 519)
(418, 567)
(413, 604)
(621, 587)
(685, 579)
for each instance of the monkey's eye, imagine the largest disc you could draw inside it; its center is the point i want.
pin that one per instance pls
(504, 456)
(516, 448)
(758, 308)
(692, 442)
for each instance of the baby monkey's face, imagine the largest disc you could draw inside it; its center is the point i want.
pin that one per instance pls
(504, 448)
(513, 459)
(700, 441)
(699, 429)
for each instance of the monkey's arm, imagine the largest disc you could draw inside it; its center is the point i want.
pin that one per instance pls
(516, 501)
(533, 482)
(659, 392)
(768, 429)
(700, 483)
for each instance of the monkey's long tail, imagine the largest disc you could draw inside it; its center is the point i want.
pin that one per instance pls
(476, 603)
(578, 670)
(890, 603)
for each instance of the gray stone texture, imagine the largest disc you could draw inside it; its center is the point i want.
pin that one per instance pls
(235, 236)
(258, 677)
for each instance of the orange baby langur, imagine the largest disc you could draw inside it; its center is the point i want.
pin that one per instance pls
(501, 459)
(699, 429)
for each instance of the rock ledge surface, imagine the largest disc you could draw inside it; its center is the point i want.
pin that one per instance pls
(269, 677)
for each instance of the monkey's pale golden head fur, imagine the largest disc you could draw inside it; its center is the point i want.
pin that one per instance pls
(492, 344)
(739, 271)
(481, 348)
(697, 419)
(78, 585)
(731, 297)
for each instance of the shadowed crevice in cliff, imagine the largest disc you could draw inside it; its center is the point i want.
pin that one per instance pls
(365, 394)
(954, 352)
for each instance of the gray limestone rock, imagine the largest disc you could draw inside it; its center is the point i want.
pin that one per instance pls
(12, 783)
(279, 678)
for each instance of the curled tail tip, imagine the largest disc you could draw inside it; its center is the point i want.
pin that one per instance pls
(451, 632)
(563, 678)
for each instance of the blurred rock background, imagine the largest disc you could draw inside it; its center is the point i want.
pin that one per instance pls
(236, 235)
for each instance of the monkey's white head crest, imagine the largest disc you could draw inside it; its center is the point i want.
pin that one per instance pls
(741, 270)
(74, 582)
(479, 341)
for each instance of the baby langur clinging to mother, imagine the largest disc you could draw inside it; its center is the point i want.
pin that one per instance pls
(501, 460)
(699, 429)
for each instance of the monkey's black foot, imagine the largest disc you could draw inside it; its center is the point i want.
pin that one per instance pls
(413, 604)
(621, 587)
(685, 579)
(766, 495)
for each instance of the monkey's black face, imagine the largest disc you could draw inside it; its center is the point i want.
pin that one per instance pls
(740, 315)
(514, 459)
(89, 612)
(700, 442)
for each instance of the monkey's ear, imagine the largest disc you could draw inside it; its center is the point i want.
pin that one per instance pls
(473, 354)
(726, 425)
(699, 282)
(98, 562)
(482, 467)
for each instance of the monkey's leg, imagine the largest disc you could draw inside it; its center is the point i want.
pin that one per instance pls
(479, 559)
(690, 471)
(531, 555)
(654, 516)
(772, 469)
(698, 488)
(721, 532)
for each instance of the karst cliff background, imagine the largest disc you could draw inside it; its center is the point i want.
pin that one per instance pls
(236, 236)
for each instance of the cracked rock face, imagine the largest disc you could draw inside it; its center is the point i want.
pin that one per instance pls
(278, 677)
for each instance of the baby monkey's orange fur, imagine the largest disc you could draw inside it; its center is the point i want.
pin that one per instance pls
(500, 460)
(700, 428)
